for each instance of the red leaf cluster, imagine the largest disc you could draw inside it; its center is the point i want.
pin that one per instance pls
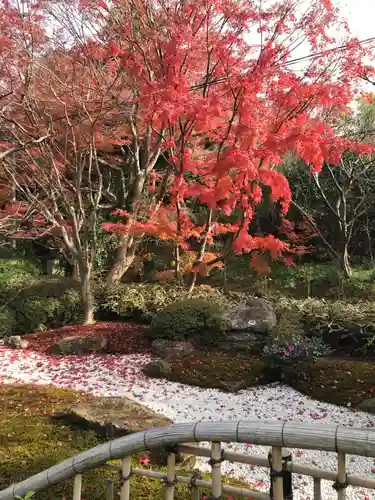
(122, 338)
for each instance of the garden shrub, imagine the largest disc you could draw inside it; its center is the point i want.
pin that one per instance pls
(289, 327)
(190, 319)
(293, 358)
(45, 303)
(142, 301)
(346, 326)
(15, 271)
(7, 322)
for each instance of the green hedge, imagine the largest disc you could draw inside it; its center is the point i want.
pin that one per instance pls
(142, 301)
(33, 305)
(346, 326)
(190, 319)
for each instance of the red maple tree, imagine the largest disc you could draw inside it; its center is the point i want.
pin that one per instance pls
(152, 107)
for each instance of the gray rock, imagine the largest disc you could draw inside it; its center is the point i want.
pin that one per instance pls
(79, 346)
(368, 405)
(16, 342)
(243, 341)
(112, 417)
(158, 368)
(256, 315)
(117, 417)
(169, 349)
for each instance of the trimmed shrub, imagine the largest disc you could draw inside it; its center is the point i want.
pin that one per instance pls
(190, 319)
(45, 303)
(142, 301)
(7, 322)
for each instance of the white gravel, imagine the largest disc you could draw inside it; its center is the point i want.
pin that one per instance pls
(122, 376)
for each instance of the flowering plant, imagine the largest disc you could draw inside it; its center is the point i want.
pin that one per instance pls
(302, 350)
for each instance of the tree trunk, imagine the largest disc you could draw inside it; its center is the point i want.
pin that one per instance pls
(123, 260)
(87, 295)
(345, 266)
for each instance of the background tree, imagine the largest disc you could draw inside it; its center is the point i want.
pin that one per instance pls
(338, 200)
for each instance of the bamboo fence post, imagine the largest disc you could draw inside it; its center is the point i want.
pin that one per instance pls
(77, 488)
(109, 492)
(317, 488)
(341, 483)
(171, 475)
(277, 473)
(195, 495)
(126, 472)
(215, 462)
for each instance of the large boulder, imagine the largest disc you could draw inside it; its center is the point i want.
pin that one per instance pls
(256, 315)
(116, 417)
(79, 346)
(112, 417)
(169, 349)
(159, 368)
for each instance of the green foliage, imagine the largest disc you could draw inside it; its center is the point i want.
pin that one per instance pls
(289, 327)
(142, 301)
(7, 322)
(348, 327)
(43, 303)
(28, 495)
(307, 350)
(15, 271)
(187, 319)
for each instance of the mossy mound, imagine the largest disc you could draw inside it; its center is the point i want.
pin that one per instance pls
(217, 369)
(337, 381)
(331, 380)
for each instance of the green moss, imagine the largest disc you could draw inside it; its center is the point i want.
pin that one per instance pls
(218, 370)
(30, 441)
(337, 381)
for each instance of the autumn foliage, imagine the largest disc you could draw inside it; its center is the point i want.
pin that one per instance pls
(136, 113)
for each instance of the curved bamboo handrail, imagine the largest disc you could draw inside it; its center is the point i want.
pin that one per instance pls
(274, 433)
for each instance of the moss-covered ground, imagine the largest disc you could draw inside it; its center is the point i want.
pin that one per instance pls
(333, 380)
(31, 441)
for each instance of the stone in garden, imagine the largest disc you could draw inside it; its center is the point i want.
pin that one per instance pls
(169, 349)
(243, 341)
(257, 315)
(16, 342)
(158, 368)
(113, 417)
(79, 346)
(119, 416)
(368, 405)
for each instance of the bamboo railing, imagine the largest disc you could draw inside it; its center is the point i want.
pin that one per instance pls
(276, 434)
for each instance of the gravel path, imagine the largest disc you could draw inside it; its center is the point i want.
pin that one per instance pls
(122, 376)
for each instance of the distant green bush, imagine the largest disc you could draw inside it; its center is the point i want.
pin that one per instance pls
(43, 303)
(344, 325)
(16, 271)
(142, 301)
(7, 322)
(190, 319)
